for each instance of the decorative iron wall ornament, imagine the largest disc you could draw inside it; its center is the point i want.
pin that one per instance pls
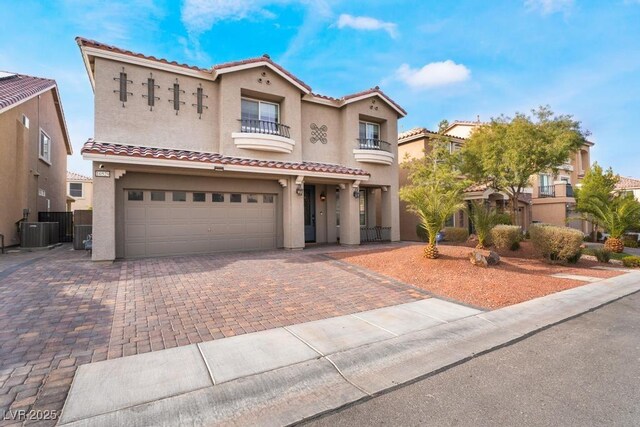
(176, 96)
(151, 91)
(318, 133)
(122, 90)
(199, 94)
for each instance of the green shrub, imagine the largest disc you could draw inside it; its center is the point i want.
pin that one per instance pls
(575, 258)
(515, 246)
(503, 218)
(630, 242)
(422, 233)
(456, 234)
(505, 236)
(631, 261)
(602, 255)
(556, 244)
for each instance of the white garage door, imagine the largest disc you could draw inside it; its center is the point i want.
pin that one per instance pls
(182, 222)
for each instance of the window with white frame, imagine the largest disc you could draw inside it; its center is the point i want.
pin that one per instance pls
(45, 147)
(369, 131)
(75, 189)
(259, 114)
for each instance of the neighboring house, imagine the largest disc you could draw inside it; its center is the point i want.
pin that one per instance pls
(627, 185)
(34, 144)
(238, 156)
(549, 199)
(413, 144)
(80, 189)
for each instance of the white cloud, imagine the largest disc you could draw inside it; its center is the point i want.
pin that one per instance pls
(200, 15)
(367, 23)
(433, 74)
(547, 7)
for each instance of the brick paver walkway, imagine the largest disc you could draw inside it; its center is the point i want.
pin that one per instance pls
(59, 310)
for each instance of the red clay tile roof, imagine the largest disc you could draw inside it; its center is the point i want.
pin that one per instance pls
(109, 48)
(17, 87)
(72, 176)
(627, 183)
(94, 147)
(263, 58)
(377, 90)
(422, 131)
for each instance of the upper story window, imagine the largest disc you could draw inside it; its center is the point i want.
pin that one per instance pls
(369, 131)
(369, 137)
(262, 117)
(45, 147)
(75, 189)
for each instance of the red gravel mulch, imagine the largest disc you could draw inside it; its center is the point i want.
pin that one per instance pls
(519, 277)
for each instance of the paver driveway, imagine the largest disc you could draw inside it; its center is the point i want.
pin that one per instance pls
(59, 310)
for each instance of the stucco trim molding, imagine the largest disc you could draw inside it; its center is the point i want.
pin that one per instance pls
(106, 158)
(263, 142)
(373, 156)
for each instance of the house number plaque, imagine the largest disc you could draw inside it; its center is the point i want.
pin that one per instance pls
(104, 174)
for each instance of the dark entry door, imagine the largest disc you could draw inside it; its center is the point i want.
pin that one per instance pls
(309, 213)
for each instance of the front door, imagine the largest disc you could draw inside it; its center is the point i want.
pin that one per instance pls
(309, 213)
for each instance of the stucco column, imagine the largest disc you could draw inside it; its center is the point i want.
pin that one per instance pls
(332, 229)
(371, 207)
(104, 216)
(349, 216)
(292, 216)
(391, 211)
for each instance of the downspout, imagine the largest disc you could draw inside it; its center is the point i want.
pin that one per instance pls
(37, 170)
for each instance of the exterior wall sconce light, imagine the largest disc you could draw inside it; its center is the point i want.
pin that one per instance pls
(299, 190)
(356, 193)
(323, 197)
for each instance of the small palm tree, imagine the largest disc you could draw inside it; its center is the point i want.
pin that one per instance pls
(433, 205)
(484, 219)
(617, 216)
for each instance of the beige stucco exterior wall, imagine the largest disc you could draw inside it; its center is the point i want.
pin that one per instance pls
(136, 124)
(22, 173)
(84, 202)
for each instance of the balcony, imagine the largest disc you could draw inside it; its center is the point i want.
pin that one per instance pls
(373, 151)
(263, 135)
(564, 190)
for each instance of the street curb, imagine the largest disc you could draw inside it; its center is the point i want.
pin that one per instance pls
(300, 392)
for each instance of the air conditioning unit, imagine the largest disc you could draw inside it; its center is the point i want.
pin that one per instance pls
(38, 234)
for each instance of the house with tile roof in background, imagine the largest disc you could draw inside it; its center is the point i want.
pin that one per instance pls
(239, 156)
(80, 190)
(549, 198)
(629, 185)
(34, 145)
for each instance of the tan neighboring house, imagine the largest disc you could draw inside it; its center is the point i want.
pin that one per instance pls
(627, 185)
(80, 190)
(34, 144)
(239, 156)
(549, 199)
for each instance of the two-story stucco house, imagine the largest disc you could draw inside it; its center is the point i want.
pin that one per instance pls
(239, 156)
(34, 144)
(80, 191)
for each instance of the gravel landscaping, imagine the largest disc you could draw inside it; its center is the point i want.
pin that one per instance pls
(519, 277)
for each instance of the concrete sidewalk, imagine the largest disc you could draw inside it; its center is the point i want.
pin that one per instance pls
(285, 375)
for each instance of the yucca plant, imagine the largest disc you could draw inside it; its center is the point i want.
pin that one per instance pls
(617, 216)
(433, 205)
(484, 219)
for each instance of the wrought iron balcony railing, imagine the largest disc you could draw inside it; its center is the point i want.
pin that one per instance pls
(264, 126)
(373, 144)
(547, 191)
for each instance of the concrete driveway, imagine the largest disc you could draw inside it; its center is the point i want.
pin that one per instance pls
(59, 310)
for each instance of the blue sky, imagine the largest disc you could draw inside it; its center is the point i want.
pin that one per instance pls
(449, 60)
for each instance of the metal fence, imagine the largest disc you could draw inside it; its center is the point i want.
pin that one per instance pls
(65, 221)
(375, 234)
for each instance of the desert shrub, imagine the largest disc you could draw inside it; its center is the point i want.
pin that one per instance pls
(556, 244)
(515, 246)
(456, 234)
(422, 233)
(631, 261)
(602, 255)
(630, 242)
(575, 258)
(503, 218)
(504, 236)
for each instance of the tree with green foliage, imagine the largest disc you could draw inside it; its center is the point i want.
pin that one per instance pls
(597, 183)
(484, 218)
(617, 215)
(506, 152)
(435, 189)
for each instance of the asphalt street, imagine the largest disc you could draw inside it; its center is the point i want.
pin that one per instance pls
(583, 372)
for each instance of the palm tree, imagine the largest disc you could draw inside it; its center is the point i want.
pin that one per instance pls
(617, 216)
(484, 219)
(433, 205)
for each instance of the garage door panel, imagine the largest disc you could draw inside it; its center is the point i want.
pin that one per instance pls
(157, 228)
